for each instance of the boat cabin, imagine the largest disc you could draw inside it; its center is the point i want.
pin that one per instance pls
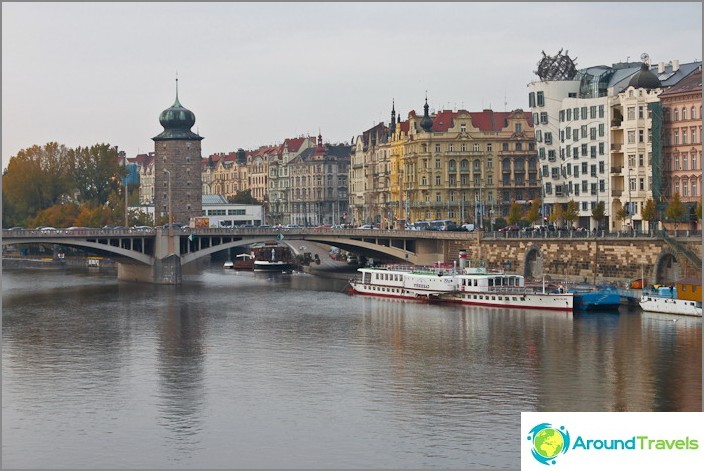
(689, 289)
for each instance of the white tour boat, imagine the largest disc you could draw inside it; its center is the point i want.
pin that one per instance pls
(474, 286)
(405, 281)
(481, 287)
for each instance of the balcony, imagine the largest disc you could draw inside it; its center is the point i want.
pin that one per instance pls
(616, 193)
(616, 147)
(616, 169)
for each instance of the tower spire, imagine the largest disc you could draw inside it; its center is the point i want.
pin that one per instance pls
(177, 103)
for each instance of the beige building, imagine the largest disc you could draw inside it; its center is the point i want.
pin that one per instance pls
(317, 188)
(463, 166)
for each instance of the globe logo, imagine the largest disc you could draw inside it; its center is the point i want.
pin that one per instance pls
(548, 442)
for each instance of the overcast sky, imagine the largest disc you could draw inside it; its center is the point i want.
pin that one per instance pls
(258, 73)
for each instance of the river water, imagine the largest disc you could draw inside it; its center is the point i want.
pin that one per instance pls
(244, 370)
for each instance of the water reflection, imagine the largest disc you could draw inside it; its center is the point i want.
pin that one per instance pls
(180, 354)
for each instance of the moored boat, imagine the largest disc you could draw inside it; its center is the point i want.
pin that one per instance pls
(272, 257)
(472, 286)
(595, 298)
(665, 299)
(480, 287)
(404, 281)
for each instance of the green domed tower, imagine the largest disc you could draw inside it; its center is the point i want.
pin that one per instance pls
(178, 159)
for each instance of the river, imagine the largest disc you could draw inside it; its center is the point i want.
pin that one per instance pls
(248, 370)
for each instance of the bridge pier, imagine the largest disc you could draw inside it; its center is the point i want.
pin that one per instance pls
(165, 271)
(166, 268)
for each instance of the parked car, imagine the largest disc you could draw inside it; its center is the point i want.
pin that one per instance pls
(510, 228)
(468, 227)
(367, 226)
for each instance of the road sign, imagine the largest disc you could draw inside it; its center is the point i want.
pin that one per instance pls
(280, 236)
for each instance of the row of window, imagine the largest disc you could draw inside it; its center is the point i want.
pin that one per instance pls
(682, 161)
(676, 113)
(584, 112)
(695, 183)
(674, 139)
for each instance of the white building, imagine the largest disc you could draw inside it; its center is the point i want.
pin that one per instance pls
(220, 213)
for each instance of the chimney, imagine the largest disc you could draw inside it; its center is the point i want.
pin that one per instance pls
(661, 67)
(675, 65)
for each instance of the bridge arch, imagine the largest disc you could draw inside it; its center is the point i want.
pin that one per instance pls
(532, 263)
(117, 253)
(667, 268)
(204, 252)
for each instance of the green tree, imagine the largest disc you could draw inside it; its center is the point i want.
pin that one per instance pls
(675, 210)
(650, 213)
(96, 172)
(599, 213)
(515, 213)
(699, 210)
(243, 197)
(572, 212)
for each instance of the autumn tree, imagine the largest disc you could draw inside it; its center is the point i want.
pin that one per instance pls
(35, 179)
(650, 213)
(572, 212)
(515, 213)
(675, 210)
(533, 211)
(599, 213)
(556, 214)
(622, 215)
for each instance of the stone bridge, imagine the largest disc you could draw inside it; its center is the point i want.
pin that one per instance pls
(158, 255)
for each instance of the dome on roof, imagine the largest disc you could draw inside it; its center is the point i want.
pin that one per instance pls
(644, 78)
(177, 118)
(426, 123)
(177, 122)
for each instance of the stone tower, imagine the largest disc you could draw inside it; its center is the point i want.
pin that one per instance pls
(178, 159)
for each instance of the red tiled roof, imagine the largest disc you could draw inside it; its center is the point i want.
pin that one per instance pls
(294, 144)
(489, 120)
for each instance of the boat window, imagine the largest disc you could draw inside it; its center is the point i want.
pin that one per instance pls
(491, 282)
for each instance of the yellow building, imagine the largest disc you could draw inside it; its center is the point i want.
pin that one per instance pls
(462, 165)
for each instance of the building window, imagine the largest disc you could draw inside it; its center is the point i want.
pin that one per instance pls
(592, 134)
(601, 130)
(531, 100)
(676, 115)
(601, 167)
(463, 127)
(543, 118)
(463, 147)
(437, 180)
(601, 148)
(601, 111)
(464, 165)
(489, 147)
(437, 163)
(437, 148)
(541, 99)
(548, 138)
(631, 113)
(632, 137)
(569, 114)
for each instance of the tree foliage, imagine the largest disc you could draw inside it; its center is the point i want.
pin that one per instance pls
(35, 179)
(572, 212)
(650, 213)
(599, 213)
(96, 172)
(40, 180)
(243, 197)
(533, 212)
(556, 214)
(515, 213)
(675, 210)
